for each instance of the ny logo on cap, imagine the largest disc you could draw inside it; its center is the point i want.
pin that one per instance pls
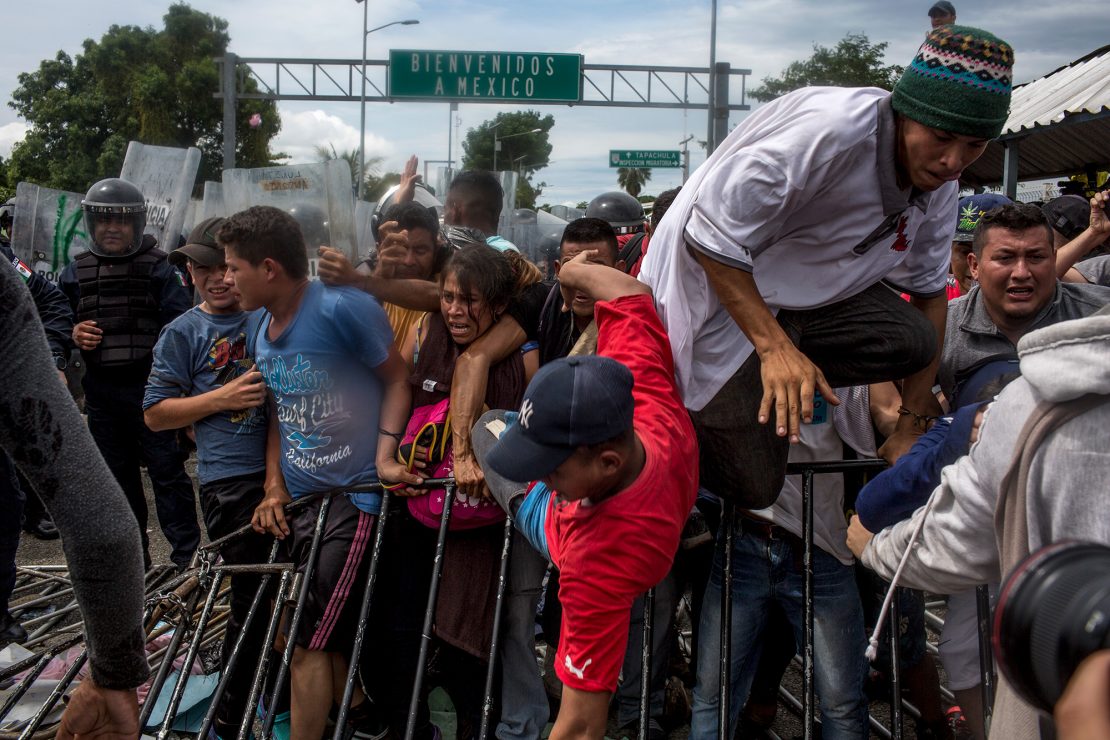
(526, 412)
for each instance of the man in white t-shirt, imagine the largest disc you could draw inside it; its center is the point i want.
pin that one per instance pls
(774, 268)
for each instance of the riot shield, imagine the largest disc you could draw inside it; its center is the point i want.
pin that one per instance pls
(508, 205)
(213, 200)
(364, 214)
(567, 213)
(165, 176)
(49, 228)
(318, 195)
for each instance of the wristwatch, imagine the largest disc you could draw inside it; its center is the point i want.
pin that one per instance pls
(61, 362)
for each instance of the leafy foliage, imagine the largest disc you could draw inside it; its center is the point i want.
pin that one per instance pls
(853, 62)
(524, 152)
(375, 183)
(142, 84)
(633, 179)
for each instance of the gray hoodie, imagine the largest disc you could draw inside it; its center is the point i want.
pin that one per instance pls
(50, 443)
(957, 547)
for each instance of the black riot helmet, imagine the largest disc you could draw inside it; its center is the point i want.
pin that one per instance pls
(623, 212)
(114, 205)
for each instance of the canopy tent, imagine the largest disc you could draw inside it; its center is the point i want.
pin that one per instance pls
(1058, 125)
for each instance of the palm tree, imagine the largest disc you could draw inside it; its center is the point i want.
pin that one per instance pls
(632, 179)
(370, 172)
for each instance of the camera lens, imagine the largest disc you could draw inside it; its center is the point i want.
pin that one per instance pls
(1053, 611)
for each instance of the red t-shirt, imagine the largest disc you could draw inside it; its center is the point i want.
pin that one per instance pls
(610, 553)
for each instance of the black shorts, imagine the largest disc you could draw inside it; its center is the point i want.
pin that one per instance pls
(336, 587)
(229, 503)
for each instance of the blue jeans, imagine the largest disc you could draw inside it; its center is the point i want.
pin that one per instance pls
(628, 690)
(766, 570)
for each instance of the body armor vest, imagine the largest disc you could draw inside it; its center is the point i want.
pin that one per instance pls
(118, 296)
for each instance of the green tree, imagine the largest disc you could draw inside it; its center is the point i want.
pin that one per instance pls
(370, 170)
(633, 179)
(142, 84)
(6, 191)
(525, 153)
(853, 62)
(377, 184)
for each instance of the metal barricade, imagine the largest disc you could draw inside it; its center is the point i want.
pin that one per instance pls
(805, 706)
(189, 602)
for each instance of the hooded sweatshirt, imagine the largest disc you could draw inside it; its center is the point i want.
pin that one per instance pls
(958, 547)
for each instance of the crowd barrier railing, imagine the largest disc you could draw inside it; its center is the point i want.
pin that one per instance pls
(188, 602)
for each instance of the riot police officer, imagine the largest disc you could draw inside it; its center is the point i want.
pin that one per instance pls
(123, 291)
(626, 215)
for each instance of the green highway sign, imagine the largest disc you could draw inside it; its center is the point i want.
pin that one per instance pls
(484, 75)
(652, 158)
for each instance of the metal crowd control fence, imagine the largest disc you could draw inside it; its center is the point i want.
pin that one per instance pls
(805, 707)
(189, 602)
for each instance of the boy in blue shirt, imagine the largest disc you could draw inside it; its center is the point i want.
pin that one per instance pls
(336, 385)
(203, 376)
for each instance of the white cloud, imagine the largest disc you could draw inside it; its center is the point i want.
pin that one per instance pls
(303, 131)
(10, 135)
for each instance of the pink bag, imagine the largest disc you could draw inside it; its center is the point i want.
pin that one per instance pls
(430, 427)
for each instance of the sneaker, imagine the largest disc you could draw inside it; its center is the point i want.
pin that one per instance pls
(11, 630)
(42, 528)
(632, 731)
(696, 532)
(958, 724)
(365, 722)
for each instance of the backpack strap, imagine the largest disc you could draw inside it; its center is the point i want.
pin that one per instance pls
(632, 250)
(1011, 523)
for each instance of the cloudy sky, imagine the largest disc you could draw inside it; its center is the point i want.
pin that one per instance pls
(763, 35)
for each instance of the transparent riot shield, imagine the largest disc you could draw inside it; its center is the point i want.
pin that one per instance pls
(550, 236)
(212, 201)
(165, 176)
(49, 228)
(508, 205)
(318, 195)
(523, 231)
(364, 214)
(567, 213)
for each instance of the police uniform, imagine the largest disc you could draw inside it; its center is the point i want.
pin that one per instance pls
(131, 298)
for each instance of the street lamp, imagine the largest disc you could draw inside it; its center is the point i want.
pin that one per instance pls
(362, 97)
(497, 141)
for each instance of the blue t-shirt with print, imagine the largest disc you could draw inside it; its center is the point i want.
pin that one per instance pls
(199, 352)
(328, 397)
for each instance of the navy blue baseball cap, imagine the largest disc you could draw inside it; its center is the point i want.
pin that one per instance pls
(575, 401)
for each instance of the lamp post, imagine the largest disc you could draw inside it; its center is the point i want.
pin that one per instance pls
(711, 143)
(497, 141)
(362, 97)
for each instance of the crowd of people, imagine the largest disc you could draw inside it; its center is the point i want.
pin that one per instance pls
(816, 291)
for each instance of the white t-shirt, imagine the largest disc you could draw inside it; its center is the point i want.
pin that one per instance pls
(850, 423)
(804, 195)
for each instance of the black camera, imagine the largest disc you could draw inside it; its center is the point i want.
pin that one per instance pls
(1053, 611)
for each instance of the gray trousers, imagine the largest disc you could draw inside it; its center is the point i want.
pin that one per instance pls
(524, 706)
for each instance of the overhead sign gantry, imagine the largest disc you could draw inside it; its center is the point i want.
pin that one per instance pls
(481, 76)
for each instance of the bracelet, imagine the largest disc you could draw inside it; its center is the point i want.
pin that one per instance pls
(396, 435)
(919, 420)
